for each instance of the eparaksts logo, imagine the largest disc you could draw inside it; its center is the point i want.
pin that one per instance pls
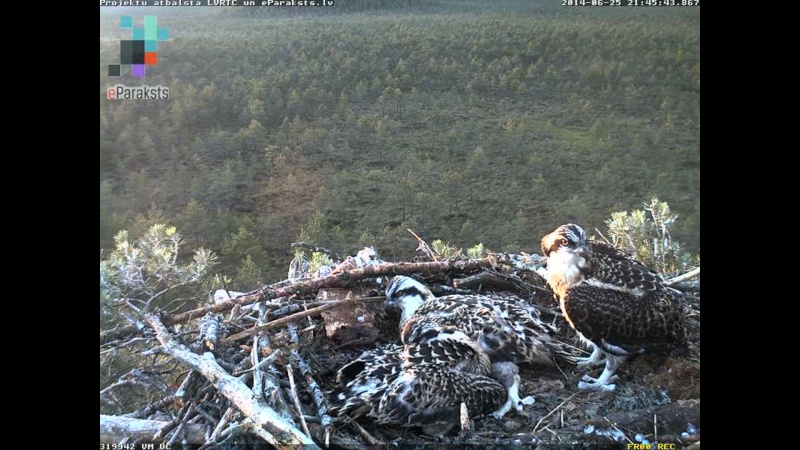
(142, 49)
(120, 92)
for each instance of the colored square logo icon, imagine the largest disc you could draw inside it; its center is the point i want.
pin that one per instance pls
(141, 49)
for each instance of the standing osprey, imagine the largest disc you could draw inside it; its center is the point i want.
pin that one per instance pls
(616, 304)
(509, 332)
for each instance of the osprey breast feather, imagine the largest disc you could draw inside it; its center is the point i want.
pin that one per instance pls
(616, 304)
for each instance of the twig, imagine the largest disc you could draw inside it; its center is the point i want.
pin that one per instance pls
(286, 320)
(223, 422)
(316, 392)
(482, 280)
(258, 382)
(236, 391)
(615, 427)
(120, 383)
(342, 279)
(307, 286)
(551, 412)
(176, 434)
(655, 428)
(296, 400)
(168, 426)
(211, 419)
(604, 238)
(559, 369)
(268, 384)
(150, 409)
(266, 362)
(236, 429)
(262, 433)
(307, 305)
(294, 307)
(530, 287)
(209, 331)
(681, 278)
(423, 246)
(371, 440)
(113, 429)
(340, 439)
(127, 343)
(191, 377)
(258, 375)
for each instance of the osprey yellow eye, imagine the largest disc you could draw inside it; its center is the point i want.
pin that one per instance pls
(564, 241)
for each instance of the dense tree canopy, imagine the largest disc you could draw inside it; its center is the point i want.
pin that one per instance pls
(471, 122)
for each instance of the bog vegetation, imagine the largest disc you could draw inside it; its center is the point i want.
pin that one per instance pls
(470, 122)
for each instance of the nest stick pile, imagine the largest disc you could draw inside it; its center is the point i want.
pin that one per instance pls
(216, 377)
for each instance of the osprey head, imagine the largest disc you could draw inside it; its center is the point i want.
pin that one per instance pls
(406, 293)
(569, 237)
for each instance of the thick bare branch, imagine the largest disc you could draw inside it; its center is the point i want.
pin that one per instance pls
(305, 286)
(232, 388)
(681, 278)
(286, 320)
(343, 279)
(483, 280)
(113, 429)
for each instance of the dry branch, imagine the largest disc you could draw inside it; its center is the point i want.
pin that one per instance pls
(286, 320)
(232, 388)
(169, 426)
(483, 280)
(296, 399)
(113, 429)
(552, 411)
(681, 278)
(371, 440)
(614, 425)
(223, 422)
(153, 407)
(343, 279)
(671, 418)
(339, 440)
(423, 246)
(307, 286)
(118, 333)
(313, 387)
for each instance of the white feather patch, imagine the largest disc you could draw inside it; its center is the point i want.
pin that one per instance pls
(637, 292)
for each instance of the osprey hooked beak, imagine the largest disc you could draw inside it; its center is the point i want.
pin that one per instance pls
(408, 294)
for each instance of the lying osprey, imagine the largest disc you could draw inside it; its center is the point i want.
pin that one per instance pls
(509, 332)
(423, 384)
(616, 304)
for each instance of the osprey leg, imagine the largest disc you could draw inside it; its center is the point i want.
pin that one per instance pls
(603, 382)
(507, 373)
